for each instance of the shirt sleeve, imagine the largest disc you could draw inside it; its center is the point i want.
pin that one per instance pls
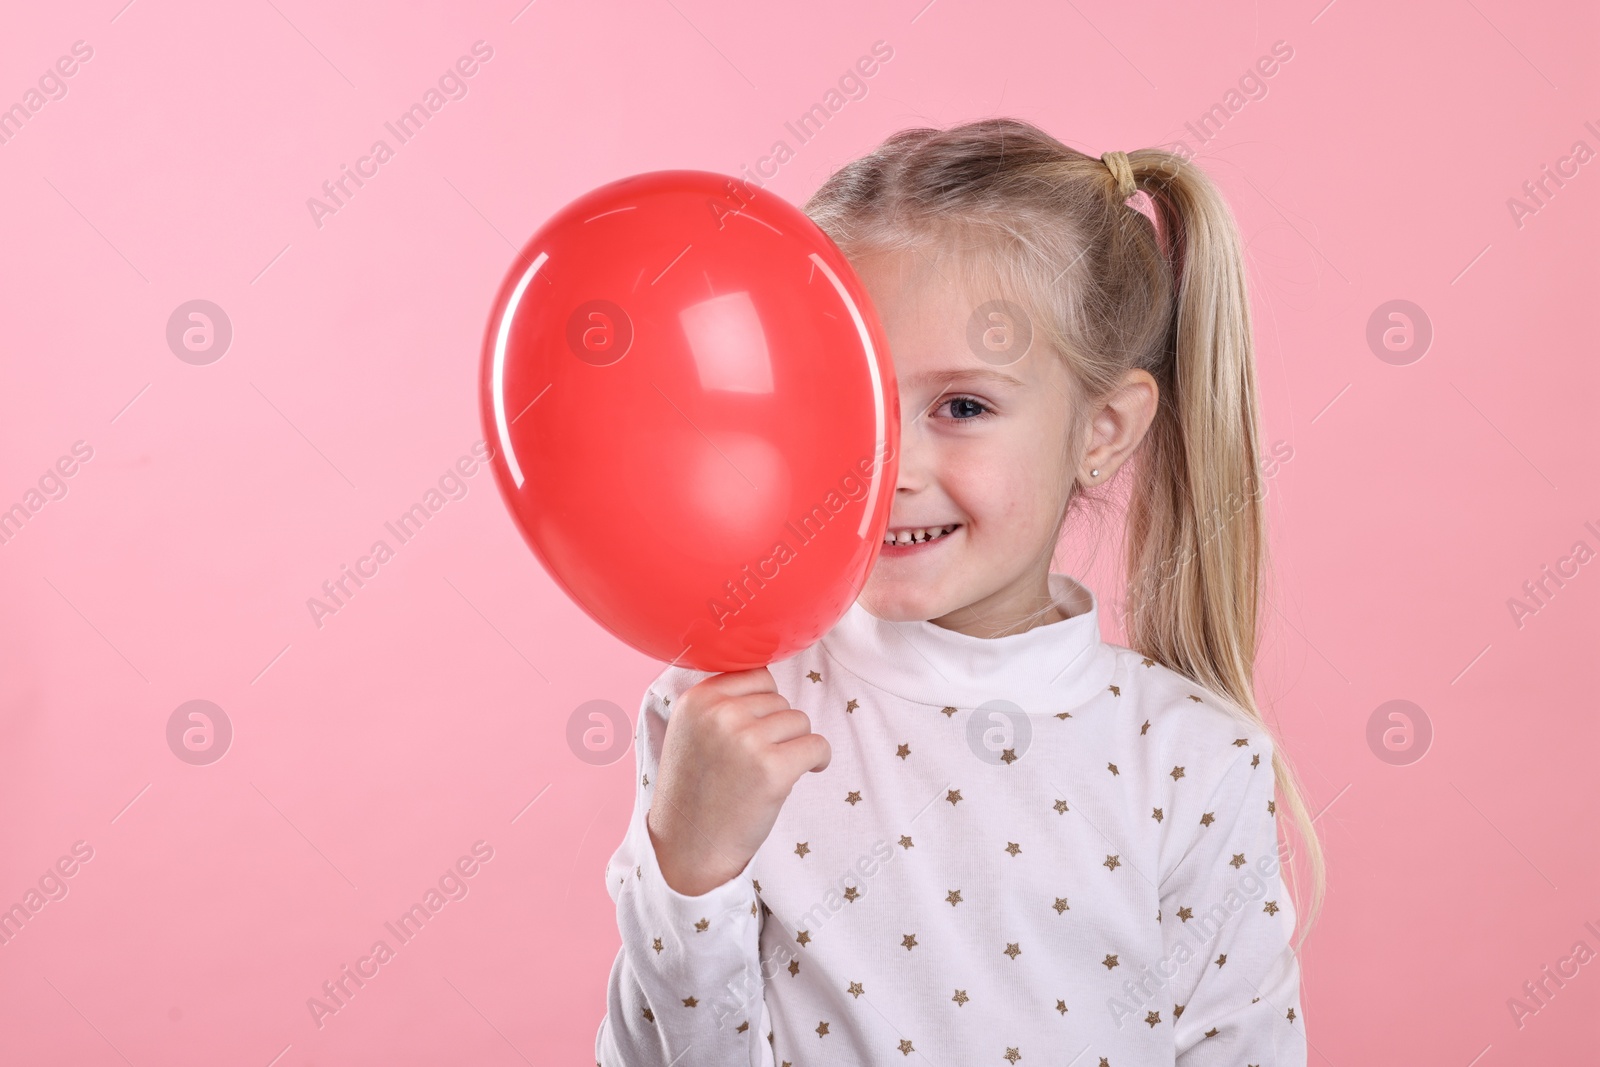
(1227, 924)
(686, 986)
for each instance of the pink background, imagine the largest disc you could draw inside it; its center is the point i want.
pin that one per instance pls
(369, 754)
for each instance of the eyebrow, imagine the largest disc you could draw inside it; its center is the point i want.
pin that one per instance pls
(964, 374)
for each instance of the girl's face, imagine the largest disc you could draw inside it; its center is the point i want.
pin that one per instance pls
(982, 448)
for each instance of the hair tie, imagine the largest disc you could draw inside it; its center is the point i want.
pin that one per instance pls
(1122, 171)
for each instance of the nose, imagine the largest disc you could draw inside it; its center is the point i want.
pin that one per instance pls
(915, 452)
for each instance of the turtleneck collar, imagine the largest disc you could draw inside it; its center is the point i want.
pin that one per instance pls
(1044, 670)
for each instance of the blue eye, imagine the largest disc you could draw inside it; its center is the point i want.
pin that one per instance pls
(968, 404)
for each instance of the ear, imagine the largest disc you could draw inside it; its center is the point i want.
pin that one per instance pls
(1119, 425)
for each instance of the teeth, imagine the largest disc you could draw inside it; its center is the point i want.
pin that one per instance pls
(917, 536)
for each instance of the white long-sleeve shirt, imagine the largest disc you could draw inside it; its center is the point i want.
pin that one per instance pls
(1037, 849)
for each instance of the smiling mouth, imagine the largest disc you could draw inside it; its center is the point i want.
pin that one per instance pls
(918, 535)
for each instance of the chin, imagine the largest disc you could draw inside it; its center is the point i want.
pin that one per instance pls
(895, 603)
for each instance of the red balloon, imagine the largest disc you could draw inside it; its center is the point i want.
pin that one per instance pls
(695, 417)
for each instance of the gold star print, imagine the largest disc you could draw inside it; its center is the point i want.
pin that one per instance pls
(948, 712)
(961, 997)
(1221, 959)
(1152, 1017)
(1177, 1010)
(742, 1027)
(855, 989)
(753, 909)
(1061, 807)
(1255, 760)
(953, 796)
(1009, 755)
(1291, 1015)
(1112, 767)
(1061, 1006)
(1148, 662)
(1272, 807)
(1241, 742)
(1211, 1032)
(1063, 714)
(803, 938)
(794, 968)
(700, 927)
(822, 1028)
(1158, 916)
(1155, 813)
(1012, 949)
(1194, 698)
(656, 944)
(756, 884)
(909, 941)
(1185, 914)
(637, 873)
(648, 1014)
(1145, 728)
(1177, 772)
(905, 842)
(903, 751)
(801, 848)
(905, 1046)
(1271, 907)
(1208, 818)
(1114, 690)
(1013, 848)
(853, 797)
(954, 897)
(814, 676)
(1237, 861)
(1104, 1062)
(1110, 961)
(851, 706)
(1111, 863)
(851, 893)
(689, 1002)
(646, 779)
(1013, 1055)
(1060, 905)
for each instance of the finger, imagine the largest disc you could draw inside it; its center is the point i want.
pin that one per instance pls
(808, 752)
(761, 705)
(742, 683)
(783, 724)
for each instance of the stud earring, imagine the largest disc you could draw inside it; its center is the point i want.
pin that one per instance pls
(1095, 473)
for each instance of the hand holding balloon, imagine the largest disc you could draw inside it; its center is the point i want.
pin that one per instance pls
(734, 749)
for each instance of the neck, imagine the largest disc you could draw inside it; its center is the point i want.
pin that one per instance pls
(1015, 609)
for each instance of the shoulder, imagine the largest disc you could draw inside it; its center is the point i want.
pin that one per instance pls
(1191, 725)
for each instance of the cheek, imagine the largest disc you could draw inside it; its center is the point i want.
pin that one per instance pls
(993, 490)
(1017, 492)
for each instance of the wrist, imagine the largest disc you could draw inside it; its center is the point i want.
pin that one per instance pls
(687, 871)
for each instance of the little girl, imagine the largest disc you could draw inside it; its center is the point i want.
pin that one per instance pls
(961, 827)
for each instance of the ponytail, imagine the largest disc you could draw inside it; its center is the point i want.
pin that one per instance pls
(1196, 546)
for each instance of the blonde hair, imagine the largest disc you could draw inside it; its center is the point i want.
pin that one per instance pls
(1113, 293)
